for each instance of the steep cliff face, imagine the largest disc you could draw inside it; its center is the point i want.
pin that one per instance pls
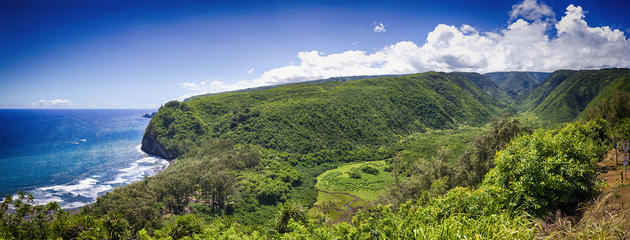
(151, 145)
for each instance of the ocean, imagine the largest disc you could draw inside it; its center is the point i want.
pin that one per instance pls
(72, 156)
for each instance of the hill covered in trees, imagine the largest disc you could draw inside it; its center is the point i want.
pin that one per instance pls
(517, 84)
(567, 93)
(342, 113)
(304, 118)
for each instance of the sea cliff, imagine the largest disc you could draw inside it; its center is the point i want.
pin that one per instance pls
(151, 145)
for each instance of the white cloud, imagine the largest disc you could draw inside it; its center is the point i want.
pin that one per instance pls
(467, 29)
(250, 71)
(210, 86)
(522, 46)
(531, 10)
(103, 104)
(53, 103)
(379, 28)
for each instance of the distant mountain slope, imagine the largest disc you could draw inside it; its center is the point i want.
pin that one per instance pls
(489, 87)
(311, 117)
(517, 84)
(566, 93)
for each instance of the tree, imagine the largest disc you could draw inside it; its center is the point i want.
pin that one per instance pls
(27, 221)
(479, 159)
(287, 212)
(218, 185)
(612, 109)
(396, 166)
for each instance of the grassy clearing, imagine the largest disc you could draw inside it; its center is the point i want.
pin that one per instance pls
(339, 193)
(367, 187)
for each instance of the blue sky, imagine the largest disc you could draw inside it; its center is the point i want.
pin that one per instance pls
(140, 54)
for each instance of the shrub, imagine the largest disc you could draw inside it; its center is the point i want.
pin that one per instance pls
(546, 171)
(354, 174)
(622, 130)
(186, 225)
(369, 170)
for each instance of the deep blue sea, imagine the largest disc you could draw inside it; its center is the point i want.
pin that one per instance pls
(72, 156)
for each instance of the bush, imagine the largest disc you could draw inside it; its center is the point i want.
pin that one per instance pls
(186, 225)
(546, 171)
(354, 174)
(369, 170)
(622, 130)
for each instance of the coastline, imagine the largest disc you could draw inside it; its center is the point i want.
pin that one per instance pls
(83, 191)
(77, 210)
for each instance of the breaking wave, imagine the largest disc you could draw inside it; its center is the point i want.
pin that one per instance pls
(85, 191)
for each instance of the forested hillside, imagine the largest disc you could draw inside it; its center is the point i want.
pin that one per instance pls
(566, 93)
(517, 84)
(501, 95)
(305, 118)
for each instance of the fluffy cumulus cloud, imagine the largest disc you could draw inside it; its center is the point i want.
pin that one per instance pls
(524, 45)
(531, 10)
(53, 103)
(379, 28)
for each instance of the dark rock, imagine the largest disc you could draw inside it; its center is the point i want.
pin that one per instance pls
(151, 145)
(146, 115)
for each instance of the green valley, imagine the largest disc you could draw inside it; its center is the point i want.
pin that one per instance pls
(423, 156)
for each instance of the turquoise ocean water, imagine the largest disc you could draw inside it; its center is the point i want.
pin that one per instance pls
(72, 156)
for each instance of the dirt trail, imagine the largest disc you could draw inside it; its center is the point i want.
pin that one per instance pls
(610, 169)
(610, 172)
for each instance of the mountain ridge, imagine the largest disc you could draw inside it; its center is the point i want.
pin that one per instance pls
(517, 84)
(302, 117)
(566, 94)
(323, 116)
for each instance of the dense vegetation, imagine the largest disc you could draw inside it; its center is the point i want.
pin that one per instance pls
(501, 207)
(517, 84)
(397, 157)
(566, 94)
(487, 85)
(307, 118)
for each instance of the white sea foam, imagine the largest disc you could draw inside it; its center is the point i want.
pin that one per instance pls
(72, 188)
(85, 191)
(149, 165)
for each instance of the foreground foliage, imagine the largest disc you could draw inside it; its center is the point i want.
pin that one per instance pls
(550, 170)
(534, 174)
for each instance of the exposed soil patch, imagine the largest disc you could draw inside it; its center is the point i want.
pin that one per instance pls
(610, 172)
